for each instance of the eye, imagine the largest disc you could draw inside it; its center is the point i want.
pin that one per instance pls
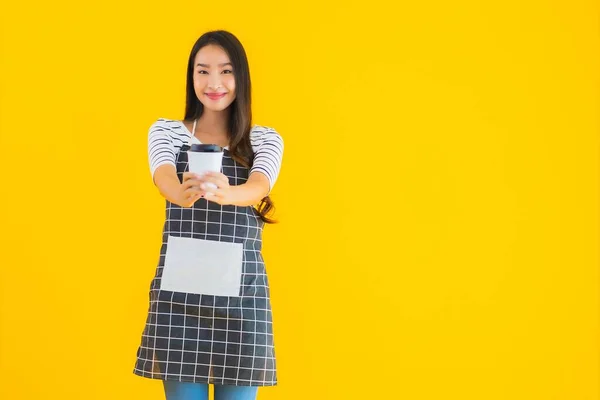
(227, 71)
(202, 72)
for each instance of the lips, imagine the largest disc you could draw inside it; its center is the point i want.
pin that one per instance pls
(215, 96)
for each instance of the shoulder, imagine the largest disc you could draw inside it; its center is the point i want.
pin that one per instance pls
(167, 124)
(171, 127)
(259, 134)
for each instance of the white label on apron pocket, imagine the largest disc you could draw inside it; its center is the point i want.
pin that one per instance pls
(202, 267)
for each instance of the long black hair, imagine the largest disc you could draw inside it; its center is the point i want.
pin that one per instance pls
(240, 117)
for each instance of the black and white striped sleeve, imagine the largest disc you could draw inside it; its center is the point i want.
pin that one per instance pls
(161, 149)
(268, 153)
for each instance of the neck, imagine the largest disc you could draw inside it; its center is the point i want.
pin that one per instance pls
(214, 123)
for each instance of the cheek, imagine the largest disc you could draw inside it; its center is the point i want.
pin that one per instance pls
(199, 81)
(229, 83)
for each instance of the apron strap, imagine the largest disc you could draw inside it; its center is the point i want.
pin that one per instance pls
(193, 131)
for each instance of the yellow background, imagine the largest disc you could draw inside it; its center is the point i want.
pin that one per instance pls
(438, 198)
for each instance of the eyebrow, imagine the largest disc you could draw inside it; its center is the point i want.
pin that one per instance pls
(208, 66)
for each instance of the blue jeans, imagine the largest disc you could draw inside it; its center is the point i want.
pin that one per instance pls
(199, 391)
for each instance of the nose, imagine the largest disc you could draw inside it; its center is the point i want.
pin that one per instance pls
(214, 82)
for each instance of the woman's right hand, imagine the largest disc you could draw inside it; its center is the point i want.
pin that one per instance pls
(189, 191)
(184, 193)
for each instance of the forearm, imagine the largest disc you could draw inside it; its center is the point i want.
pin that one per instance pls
(247, 194)
(168, 184)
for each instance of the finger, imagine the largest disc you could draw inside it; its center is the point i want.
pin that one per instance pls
(192, 200)
(224, 179)
(212, 197)
(191, 183)
(200, 175)
(190, 193)
(214, 193)
(218, 182)
(209, 185)
(218, 176)
(189, 175)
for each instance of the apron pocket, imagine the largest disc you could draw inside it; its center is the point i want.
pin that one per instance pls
(202, 267)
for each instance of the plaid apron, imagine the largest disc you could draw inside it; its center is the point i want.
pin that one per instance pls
(224, 340)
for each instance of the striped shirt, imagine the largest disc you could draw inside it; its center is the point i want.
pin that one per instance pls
(167, 136)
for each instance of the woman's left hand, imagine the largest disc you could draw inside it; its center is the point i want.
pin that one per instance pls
(222, 193)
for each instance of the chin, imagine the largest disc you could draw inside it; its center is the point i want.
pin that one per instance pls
(216, 108)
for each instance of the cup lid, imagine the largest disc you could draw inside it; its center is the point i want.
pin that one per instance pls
(206, 148)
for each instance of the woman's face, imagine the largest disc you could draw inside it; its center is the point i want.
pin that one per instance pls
(214, 82)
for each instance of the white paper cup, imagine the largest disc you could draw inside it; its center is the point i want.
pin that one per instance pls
(205, 157)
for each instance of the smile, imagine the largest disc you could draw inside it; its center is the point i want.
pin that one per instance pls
(215, 96)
